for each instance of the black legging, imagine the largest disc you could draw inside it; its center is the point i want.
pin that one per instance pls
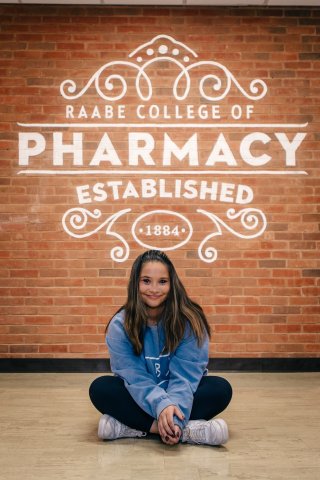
(109, 395)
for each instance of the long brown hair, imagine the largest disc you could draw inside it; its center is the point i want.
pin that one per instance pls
(179, 309)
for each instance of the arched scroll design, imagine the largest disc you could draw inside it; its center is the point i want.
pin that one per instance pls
(75, 221)
(111, 80)
(251, 219)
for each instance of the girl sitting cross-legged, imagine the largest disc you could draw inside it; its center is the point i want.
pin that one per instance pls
(158, 344)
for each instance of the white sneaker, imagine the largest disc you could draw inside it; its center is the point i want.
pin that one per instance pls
(212, 432)
(110, 429)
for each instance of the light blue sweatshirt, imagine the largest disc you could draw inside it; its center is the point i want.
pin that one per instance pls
(156, 380)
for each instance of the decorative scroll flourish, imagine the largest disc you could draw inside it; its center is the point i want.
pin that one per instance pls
(75, 220)
(251, 219)
(115, 84)
(257, 87)
(112, 82)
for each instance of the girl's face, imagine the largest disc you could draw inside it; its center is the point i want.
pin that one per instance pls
(154, 284)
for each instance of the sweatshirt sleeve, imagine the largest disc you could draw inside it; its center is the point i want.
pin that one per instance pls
(132, 369)
(187, 367)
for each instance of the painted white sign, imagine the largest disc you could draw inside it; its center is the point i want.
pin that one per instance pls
(150, 159)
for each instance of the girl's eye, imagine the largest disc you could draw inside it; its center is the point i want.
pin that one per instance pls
(163, 281)
(146, 281)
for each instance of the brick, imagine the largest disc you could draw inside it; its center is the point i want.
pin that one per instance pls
(272, 263)
(105, 272)
(57, 349)
(311, 273)
(26, 349)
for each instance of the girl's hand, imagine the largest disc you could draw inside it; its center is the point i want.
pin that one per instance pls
(169, 440)
(169, 432)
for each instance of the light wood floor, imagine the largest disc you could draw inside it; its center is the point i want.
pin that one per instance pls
(48, 432)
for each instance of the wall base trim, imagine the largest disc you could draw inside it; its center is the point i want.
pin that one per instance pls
(88, 365)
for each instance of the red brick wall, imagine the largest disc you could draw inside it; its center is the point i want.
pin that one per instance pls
(261, 294)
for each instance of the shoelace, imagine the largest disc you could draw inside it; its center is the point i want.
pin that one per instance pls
(121, 430)
(127, 431)
(197, 434)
